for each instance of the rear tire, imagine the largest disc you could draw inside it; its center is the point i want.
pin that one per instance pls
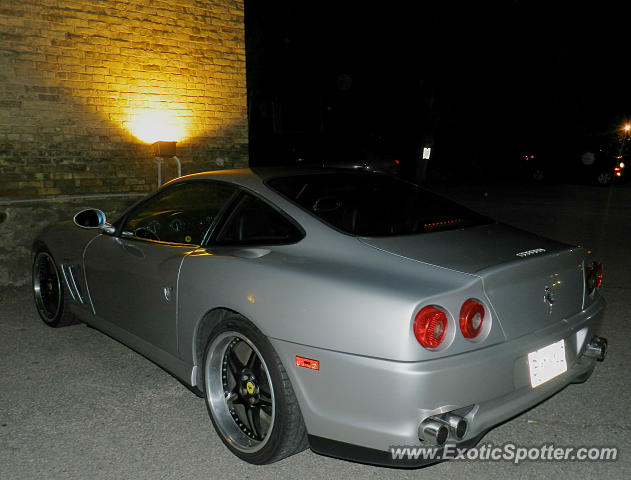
(248, 394)
(48, 291)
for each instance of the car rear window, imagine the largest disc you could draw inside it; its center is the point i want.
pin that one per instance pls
(370, 204)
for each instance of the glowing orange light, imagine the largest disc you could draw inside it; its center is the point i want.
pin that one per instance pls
(622, 165)
(157, 125)
(618, 174)
(627, 127)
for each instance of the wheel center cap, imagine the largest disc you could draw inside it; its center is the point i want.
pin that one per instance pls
(249, 386)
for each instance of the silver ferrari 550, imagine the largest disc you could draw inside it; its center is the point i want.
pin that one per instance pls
(343, 311)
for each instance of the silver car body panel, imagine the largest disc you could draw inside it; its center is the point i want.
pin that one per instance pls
(511, 282)
(146, 272)
(350, 303)
(378, 403)
(302, 298)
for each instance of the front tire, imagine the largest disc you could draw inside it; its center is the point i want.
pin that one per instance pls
(248, 394)
(48, 291)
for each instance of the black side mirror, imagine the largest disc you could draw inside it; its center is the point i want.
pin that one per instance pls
(92, 218)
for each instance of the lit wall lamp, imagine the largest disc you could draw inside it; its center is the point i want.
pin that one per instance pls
(162, 150)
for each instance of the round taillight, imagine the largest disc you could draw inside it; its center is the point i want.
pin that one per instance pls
(430, 326)
(471, 318)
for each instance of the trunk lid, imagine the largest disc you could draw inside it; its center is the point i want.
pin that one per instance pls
(530, 281)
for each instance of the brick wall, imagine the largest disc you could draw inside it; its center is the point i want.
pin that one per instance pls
(76, 75)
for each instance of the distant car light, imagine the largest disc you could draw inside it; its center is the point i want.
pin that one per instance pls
(621, 165)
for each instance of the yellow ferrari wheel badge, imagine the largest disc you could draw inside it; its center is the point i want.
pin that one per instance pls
(250, 387)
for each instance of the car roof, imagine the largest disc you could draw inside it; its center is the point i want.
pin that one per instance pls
(245, 176)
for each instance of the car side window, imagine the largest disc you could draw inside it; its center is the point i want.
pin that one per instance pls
(255, 222)
(182, 213)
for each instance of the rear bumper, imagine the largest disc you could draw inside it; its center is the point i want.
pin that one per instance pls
(347, 451)
(375, 403)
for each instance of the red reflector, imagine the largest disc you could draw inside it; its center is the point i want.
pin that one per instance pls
(430, 326)
(307, 363)
(594, 277)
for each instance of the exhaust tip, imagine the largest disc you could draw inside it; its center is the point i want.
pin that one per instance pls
(596, 348)
(461, 429)
(457, 424)
(433, 432)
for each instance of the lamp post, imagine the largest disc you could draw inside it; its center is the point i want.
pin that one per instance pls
(162, 150)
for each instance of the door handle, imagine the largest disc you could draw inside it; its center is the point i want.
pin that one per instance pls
(130, 248)
(239, 252)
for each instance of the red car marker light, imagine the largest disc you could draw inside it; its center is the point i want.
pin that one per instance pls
(430, 326)
(307, 363)
(594, 277)
(471, 318)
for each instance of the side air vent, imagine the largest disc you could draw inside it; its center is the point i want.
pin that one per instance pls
(70, 275)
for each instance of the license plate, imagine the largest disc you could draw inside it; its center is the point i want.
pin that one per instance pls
(547, 363)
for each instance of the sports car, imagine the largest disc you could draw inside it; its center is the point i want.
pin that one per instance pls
(343, 311)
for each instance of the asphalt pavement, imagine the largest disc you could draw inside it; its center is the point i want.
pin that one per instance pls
(75, 404)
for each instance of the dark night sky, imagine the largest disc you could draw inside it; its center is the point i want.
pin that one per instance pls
(476, 76)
